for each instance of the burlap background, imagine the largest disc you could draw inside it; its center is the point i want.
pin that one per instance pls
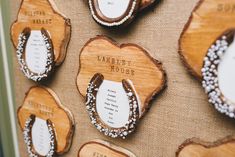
(180, 112)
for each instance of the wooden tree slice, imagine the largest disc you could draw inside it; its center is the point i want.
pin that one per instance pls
(209, 19)
(43, 103)
(117, 62)
(112, 13)
(197, 148)
(118, 82)
(98, 148)
(43, 14)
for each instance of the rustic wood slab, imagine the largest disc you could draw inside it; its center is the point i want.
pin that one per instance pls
(44, 14)
(197, 148)
(118, 62)
(209, 19)
(119, 81)
(43, 103)
(98, 148)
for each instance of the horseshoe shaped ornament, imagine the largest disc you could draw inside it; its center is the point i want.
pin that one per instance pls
(39, 137)
(35, 54)
(47, 125)
(218, 73)
(112, 106)
(116, 88)
(112, 12)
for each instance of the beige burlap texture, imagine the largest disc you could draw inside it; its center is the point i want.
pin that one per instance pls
(180, 112)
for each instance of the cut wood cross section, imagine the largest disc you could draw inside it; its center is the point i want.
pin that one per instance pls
(197, 148)
(104, 149)
(38, 14)
(209, 19)
(118, 81)
(43, 104)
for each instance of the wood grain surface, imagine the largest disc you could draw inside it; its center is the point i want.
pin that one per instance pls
(182, 110)
(197, 148)
(209, 19)
(43, 103)
(117, 62)
(43, 14)
(103, 148)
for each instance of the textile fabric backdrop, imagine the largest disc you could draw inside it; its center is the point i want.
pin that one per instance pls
(180, 112)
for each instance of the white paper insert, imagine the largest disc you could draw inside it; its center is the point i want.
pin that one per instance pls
(226, 73)
(41, 137)
(113, 8)
(112, 104)
(36, 52)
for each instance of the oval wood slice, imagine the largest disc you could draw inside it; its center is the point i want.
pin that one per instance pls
(98, 148)
(209, 19)
(197, 148)
(117, 62)
(43, 103)
(43, 14)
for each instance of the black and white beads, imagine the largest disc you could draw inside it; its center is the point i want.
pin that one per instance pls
(210, 77)
(20, 52)
(116, 23)
(28, 138)
(122, 132)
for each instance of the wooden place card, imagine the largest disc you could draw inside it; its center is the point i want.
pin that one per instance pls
(197, 148)
(118, 82)
(206, 47)
(37, 41)
(112, 13)
(99, 148)
(47, 125)
(209, 19)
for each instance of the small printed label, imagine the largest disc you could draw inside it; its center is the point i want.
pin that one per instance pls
(36, 52)
(113, 8)
(112, 104)
(41, 137)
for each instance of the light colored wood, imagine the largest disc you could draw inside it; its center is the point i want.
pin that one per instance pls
(197, 148)
(98, 148)
(147, 74)
(209, 19)
(43, 13)
(43, 103)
